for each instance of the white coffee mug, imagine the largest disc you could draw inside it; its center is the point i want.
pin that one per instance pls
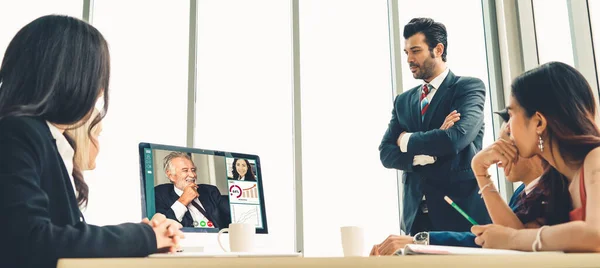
(353, 241)
(241, 237)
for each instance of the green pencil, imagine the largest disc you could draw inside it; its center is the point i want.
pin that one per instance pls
(455, 206)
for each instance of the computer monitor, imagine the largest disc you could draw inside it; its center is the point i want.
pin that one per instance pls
(228, 187)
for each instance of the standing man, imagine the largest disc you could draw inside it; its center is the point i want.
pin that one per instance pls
(435, 130)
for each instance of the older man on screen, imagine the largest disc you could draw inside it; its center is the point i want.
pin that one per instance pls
(193, 205)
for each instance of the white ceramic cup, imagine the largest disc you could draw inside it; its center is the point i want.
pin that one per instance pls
(241, 237)
(353, 241)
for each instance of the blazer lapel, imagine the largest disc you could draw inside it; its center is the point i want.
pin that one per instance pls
(187, 217)
(205, 200)
(439, 96)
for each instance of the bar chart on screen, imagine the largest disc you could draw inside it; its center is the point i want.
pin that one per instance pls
(250, 192)
(243, 192)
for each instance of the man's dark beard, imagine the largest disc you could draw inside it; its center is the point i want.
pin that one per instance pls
(427, 70)
(427, 73)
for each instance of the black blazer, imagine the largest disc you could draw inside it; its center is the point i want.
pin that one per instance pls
(215, 204)
(41, 219)
(454, 148)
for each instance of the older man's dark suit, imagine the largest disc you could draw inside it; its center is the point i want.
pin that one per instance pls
(454, 148)
(215, 204)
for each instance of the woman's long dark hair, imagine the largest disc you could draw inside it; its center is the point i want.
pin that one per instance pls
(55, 68)
(249, 174)
(560, 93)
(549, 200)
(564, 97)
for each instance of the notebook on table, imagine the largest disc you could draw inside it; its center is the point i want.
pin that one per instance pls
(413, 249)
(223, 254)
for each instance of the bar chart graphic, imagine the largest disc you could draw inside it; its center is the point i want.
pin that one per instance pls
(243, 192)
(250, 192)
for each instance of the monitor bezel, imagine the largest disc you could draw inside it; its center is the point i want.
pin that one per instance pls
(155, 146)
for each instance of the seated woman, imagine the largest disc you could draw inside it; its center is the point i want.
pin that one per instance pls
(54, 71)
(552, 116)
(537, 200)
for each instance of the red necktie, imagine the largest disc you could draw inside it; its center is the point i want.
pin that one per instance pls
(424, 101)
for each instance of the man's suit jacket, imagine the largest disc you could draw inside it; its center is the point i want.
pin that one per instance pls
(41, 220)
(454, 148)
(215, 204)
(467, 239)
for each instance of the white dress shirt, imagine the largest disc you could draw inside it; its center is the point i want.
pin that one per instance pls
(65, 150)
(180, 209)
(424, 159)
(531, 185)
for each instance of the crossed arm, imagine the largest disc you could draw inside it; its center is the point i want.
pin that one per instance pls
(455, 134)
(469, 102)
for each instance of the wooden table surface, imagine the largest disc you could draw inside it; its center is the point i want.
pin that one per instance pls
(511, 261)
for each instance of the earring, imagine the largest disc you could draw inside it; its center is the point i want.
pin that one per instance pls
(540, 143)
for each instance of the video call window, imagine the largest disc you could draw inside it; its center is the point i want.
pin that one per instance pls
(203, 191)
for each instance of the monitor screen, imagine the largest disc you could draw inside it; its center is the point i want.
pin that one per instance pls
(204, 190)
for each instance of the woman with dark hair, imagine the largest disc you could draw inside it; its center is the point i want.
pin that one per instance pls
(54, 71)
(552, 115)
(242, 170)
(542, 198)
(546, 202)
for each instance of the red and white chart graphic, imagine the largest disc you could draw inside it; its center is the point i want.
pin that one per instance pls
(243, 192)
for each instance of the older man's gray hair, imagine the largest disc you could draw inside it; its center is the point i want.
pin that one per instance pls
(167, 161)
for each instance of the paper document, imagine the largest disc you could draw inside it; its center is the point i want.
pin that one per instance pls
(224, 254)
(412, 249)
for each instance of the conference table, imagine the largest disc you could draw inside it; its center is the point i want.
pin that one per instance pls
(479, 261)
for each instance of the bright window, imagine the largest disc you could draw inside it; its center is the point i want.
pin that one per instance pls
(553, 32)
(148, 43)
(594, 8)
(347, 100)
(16, 14)
(244, 96)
